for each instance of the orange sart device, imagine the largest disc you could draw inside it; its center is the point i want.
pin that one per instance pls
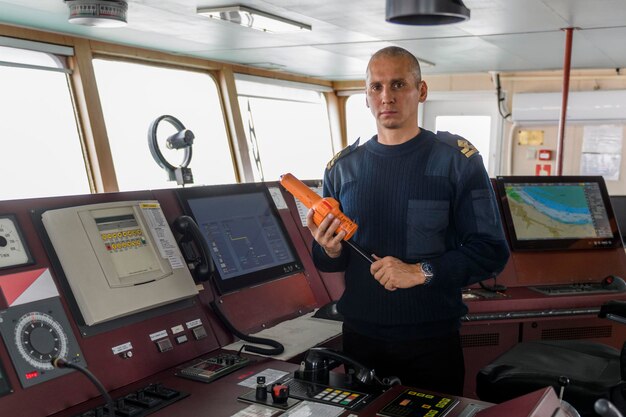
(322, 206)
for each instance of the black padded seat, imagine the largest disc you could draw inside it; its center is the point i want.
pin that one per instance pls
(592, 368)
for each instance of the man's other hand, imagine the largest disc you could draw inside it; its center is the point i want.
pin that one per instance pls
(392, 273)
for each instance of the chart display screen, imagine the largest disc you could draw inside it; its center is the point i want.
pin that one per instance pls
(244, 233)
(5, 387)
(558, 213)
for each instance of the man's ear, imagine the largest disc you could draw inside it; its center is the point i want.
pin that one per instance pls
(423, 90)
(367, 103)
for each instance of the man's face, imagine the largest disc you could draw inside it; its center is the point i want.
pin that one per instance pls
(392, 93)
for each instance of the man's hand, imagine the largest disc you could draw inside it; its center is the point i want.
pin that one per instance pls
(392, 273)
(325, 235)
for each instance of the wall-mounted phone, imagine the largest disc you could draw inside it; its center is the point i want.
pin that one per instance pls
(203, 269)
(119, 258)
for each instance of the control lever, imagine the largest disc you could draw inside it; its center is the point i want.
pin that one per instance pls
(606, 408)
(280, 393)
(261, 389)
(563, 382)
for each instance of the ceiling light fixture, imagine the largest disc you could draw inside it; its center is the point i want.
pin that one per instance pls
(254, 19)
(98, 13)
(426, 12)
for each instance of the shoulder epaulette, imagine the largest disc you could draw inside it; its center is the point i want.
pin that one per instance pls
(459, 143)
(345, 151)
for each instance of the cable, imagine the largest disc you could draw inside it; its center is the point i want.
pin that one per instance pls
(62, 363)
(501, 99)
(278, 348)
(492, 288)
(186, 224)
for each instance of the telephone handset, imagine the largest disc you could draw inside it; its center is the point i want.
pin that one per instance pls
(204, 270)
(319, 361)
(203, 266)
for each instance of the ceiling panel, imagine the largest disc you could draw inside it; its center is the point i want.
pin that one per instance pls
(612, 42)
(310, 61)
(548, 50)
(590, 13)
(501, 35)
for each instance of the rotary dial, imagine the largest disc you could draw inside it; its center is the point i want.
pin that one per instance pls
(39, 338)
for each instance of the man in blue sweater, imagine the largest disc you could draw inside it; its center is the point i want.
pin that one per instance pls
(426, 211)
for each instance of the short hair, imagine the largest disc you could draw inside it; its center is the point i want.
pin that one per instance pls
(397, 52)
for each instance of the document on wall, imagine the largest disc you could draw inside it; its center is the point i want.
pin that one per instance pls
(603, 139)
(602, 151)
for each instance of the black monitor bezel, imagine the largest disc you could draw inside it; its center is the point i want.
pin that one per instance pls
(617, 210)
(233, 284)
(557, 244)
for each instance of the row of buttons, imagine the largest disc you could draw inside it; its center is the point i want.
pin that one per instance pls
(165, 344)
(128, 244)
(126, 233)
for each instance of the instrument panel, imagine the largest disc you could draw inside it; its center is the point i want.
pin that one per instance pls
(13, 248)
(34, 334)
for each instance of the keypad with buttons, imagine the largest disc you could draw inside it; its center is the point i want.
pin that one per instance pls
(413, 403)
(123, 240)
(324, 394)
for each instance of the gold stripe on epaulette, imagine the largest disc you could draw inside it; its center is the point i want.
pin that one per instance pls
(467, 148)
(332, 161)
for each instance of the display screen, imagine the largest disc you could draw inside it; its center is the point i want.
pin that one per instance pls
(618, 202)
(558, 213)
(244, 233)
(5, 387)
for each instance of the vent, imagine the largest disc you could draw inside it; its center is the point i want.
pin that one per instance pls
(478, 340)
(575, 333)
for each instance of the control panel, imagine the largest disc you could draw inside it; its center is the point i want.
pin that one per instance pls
(211, 368)
(140, 403)
(610, 284)
(415, 403)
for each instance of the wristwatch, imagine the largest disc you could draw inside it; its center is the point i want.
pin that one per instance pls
(427, 270)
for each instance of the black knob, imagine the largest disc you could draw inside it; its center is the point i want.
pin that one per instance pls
(3, 241)
(120, 404)
(563, 381)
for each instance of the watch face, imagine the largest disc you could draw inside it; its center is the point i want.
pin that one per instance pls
(427, 269)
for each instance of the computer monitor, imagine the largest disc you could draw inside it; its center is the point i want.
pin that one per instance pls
(618, 202)
(558, 213)
(243, 230)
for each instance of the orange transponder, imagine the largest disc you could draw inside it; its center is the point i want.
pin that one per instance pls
(322, 206)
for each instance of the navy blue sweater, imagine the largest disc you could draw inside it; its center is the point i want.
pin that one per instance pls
(428, 198)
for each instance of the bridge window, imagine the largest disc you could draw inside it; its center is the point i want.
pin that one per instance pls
(359, 119)
(286, 126)
(42, 154)
(134, 94)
